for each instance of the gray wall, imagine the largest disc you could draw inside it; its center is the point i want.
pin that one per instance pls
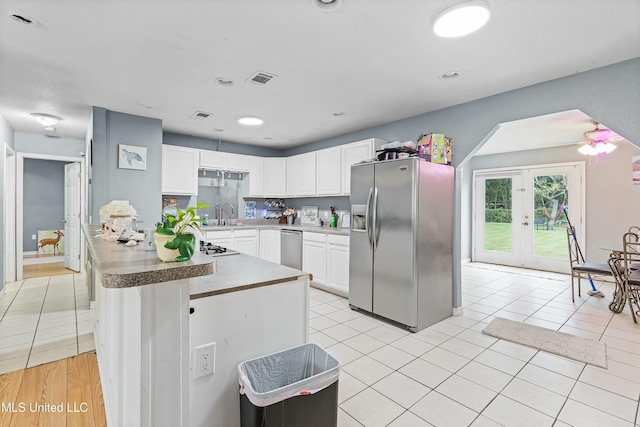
(43, 144)
(43, 199)
(6, 137)
(215, 145)
(143, 189)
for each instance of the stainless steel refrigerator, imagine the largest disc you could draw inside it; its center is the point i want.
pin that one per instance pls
(401, 252)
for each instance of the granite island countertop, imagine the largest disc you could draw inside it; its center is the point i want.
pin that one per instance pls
(123, 266)
(240, 272)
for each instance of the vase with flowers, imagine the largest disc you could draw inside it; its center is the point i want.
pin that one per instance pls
(173, 237)
(290, 214)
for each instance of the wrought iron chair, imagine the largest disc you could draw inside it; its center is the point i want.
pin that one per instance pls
(584, 270)
(630, 273)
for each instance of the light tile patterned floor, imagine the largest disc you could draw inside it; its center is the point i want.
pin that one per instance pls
(452, 375)
(44, 319)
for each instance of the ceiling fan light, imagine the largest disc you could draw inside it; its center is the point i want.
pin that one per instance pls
(587, 150)
(461, 19)
(609, 147)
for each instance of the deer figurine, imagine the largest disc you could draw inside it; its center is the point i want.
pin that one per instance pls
(53, 242)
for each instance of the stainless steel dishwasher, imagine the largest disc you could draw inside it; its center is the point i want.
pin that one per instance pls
(291, 248)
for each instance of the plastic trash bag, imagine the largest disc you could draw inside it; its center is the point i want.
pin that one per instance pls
(301, 370)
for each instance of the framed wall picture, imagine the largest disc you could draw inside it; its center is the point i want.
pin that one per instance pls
(132, 157)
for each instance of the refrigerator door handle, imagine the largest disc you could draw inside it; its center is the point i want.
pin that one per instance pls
(374, 220)
(367, 221)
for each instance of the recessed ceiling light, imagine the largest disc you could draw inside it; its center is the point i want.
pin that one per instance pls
(218, 130)
(268, 138)
(224, 82)
(250, 121)
(461, 19)
(447, 75)
(46, 119)
(327, 5)
(339, 113)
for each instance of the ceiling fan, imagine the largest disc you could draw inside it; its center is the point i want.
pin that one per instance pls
(598, 141)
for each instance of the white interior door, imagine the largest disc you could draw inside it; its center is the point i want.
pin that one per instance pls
(519, 218)
(9, 214)
(72, 216)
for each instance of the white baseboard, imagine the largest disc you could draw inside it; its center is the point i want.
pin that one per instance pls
(43, 260)
(465, 260)
(457, 311)
(329, 288)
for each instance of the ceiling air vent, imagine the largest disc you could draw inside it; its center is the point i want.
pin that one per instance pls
(261, 78)
(200, 115)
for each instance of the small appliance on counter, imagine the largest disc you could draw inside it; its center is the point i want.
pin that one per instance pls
(209, 248)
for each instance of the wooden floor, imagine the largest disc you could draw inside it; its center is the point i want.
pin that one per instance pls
(70, 386)
(39, 270)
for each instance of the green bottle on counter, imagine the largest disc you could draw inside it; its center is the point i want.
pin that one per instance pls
(334, 217)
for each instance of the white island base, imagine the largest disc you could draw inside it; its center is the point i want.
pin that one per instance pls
(244, 325)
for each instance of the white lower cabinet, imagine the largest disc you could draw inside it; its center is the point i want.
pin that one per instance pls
(243, 241)
(338, 261)
(326, 257)
(314, 255)
(270, 245)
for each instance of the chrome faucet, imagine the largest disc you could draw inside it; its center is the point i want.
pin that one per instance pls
(220, 221)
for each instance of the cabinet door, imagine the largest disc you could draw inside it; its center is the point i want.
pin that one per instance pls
(256, 176)
(237, 162)
(306, 174)
(270, 245)
(292, 171)
(351, 154)
(179, 170)
(328, 167)
(338, 261)
(274, 176)
(314, 259)
(246, 245)
(213, 160)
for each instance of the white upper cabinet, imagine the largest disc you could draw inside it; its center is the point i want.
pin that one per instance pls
(275, 176)
(256, 176)
(238, 162)
(354, 153)
(301, 175)
(292, 171)
(179, 170)
(215, 160)
(328, 171)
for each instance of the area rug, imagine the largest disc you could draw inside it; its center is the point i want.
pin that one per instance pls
(571, 346)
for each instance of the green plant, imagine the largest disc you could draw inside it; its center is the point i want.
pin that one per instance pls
(181, 223)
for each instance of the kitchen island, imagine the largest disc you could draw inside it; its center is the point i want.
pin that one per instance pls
(146, 337)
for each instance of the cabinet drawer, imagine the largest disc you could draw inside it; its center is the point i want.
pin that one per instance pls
(245, 233)
(212, 235)
(314, 237)
(336, 239)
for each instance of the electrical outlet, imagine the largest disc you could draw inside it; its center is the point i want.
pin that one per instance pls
(205, 363)
(33, 237)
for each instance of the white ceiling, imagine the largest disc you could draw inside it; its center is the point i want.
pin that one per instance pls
(534, 133)
(378, 61)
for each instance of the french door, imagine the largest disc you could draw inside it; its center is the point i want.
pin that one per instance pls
(519, 215)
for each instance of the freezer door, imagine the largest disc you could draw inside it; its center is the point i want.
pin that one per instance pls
(395, 289)
(360, 249)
